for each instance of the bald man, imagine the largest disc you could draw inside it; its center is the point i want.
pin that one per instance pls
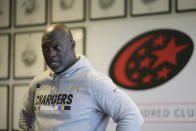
(73, 96)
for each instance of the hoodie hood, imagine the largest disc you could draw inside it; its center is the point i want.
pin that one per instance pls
(81, 63)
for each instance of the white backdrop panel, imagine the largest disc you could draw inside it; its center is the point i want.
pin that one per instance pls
(106, 39)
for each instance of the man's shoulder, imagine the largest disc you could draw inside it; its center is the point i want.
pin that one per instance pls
(99, 79)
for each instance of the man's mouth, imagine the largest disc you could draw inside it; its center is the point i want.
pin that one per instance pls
(55, 64)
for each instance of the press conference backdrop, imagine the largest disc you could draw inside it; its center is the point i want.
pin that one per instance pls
(168, 106)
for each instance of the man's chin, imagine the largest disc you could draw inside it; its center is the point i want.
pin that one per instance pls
(57, 71)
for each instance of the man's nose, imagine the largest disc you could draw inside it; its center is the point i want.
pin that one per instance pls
(52, 53)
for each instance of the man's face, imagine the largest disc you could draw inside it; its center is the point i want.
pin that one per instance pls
(57, 50)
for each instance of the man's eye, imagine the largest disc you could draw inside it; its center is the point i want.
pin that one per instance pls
(57, 47)
(45, 49)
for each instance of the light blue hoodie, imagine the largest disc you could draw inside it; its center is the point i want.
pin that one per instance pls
(78, 99)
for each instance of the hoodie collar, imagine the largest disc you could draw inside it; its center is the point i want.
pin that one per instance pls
(81, 63)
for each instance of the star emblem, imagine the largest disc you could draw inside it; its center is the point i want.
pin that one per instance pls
(163, 73)
(142, 51)
(145, 62)
(147, 79)
(168, 54)
(131, 65)
(159, 41)
(135, 75)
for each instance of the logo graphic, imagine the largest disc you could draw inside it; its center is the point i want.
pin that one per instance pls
(151, 59)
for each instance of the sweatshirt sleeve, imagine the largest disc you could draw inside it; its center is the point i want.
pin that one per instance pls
(26, 114)
(118, 105)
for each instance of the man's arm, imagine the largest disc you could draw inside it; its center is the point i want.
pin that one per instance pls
(118, 105)
(26, 114)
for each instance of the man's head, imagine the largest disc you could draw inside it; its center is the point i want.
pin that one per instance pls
(58, 47)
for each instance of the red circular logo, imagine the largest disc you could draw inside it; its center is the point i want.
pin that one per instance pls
(151, 59)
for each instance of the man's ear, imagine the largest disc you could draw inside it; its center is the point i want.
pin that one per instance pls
(73, 44)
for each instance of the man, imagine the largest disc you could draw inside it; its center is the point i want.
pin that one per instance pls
(74, 96)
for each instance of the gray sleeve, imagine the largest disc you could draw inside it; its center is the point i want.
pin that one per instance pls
(26, 114)
(118, 105)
